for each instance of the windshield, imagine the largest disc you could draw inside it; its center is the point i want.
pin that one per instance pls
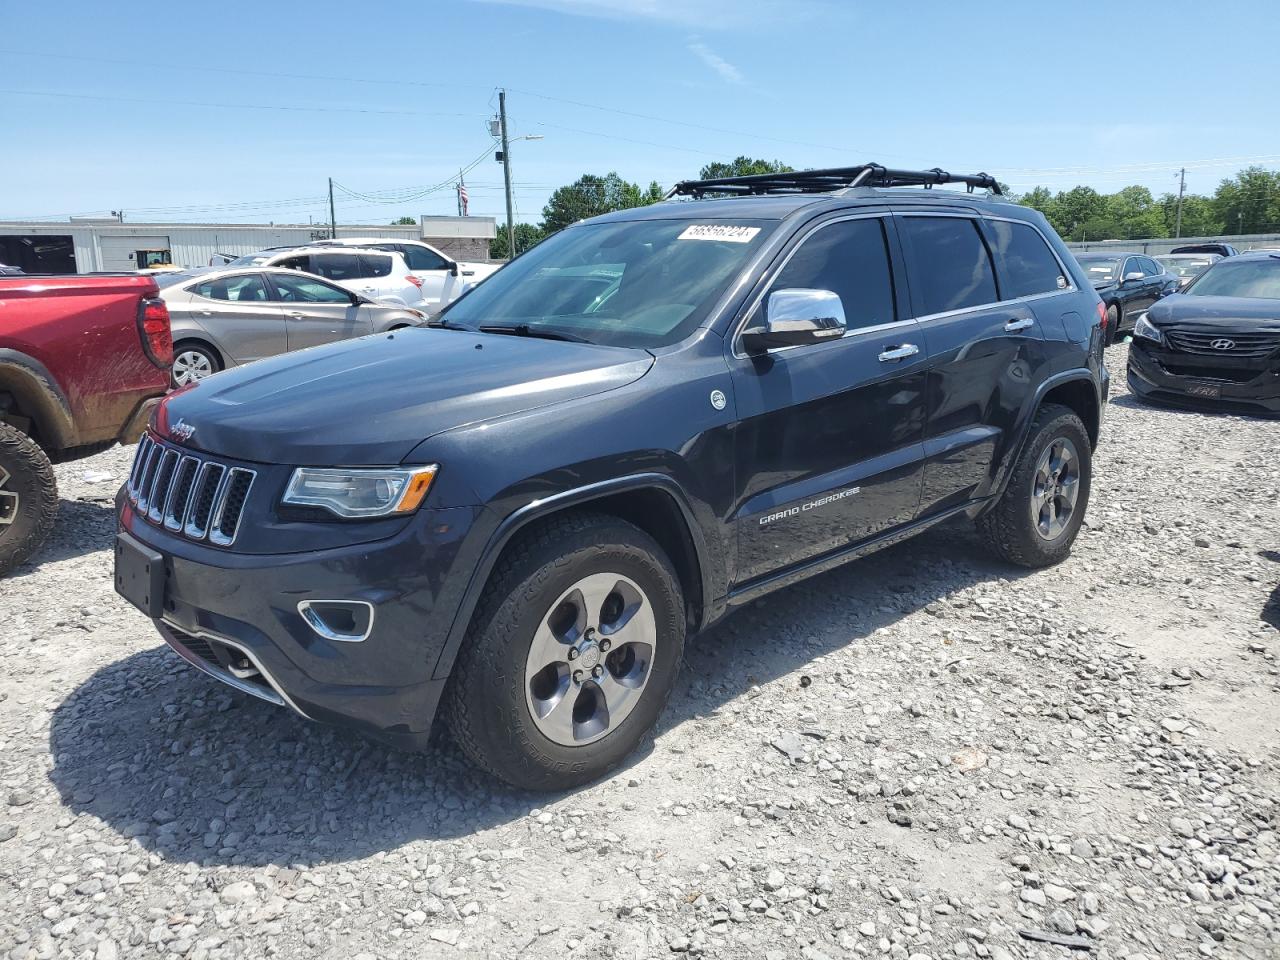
(1231, 277)
(639, 283)
(1100, 269)
(1189, 267)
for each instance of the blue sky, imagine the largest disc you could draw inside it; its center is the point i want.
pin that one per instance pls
(213, 111)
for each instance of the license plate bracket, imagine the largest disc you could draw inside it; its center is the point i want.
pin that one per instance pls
(140, 575)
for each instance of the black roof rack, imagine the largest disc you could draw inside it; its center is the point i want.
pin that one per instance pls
(833, 178)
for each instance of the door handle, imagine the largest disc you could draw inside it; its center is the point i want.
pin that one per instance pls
(889, 354)
(1023, 323)
(296, 315)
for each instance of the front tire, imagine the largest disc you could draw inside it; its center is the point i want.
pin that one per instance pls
(571, 655)
(1037, 518)
(28, 497)
(1113, 324)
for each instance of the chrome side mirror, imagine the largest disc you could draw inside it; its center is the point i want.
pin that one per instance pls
(796, 317)
(1134, 276)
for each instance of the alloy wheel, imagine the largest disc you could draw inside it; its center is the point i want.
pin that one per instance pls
(590, 659)
(1055, 488)
(190, 366)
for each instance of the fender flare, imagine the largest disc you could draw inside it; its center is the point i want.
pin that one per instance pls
(1078, 374)
(516, 521)
(41, 396)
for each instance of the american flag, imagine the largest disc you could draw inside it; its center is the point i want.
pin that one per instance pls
(462, 198)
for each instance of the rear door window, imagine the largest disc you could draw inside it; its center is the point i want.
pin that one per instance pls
(949, 263)
(419, 258)
(336, 266)
(233, 289)
(307, 290)
(1025, 263)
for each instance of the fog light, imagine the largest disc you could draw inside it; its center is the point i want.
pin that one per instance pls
(346, 621)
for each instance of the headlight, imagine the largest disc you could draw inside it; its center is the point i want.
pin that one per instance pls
(1147, 330)
(360, 493)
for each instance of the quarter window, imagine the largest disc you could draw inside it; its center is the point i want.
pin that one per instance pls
(849, 258)
(950, 266)
(249, 287)
(1026, 264)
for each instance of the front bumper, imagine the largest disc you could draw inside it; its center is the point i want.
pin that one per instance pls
(1242, 389)
(236, 617)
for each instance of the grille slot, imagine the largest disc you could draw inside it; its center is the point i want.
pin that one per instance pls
(202, 499)
(1224, 374)
(1247, 346)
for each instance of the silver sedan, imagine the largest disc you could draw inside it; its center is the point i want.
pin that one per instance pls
(222, 318)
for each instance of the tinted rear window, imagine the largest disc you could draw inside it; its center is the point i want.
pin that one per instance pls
(951, 269)
(372, 265)
(1027, 265)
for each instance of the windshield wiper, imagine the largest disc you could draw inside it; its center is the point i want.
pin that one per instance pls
(524, 330)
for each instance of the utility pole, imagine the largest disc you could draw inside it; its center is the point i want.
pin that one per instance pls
(1240, 223)
(1182, 188)
(506, 172)
(333, 219)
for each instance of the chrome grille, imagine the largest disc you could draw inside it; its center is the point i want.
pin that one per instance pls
(1245, 346)
(184, 492)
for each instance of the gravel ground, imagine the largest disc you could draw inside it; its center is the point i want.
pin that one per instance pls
(922, 755)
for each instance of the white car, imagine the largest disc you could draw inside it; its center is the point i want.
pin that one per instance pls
(378, 275)
(438, 271)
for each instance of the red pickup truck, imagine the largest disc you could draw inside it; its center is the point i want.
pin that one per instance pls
(82, 361)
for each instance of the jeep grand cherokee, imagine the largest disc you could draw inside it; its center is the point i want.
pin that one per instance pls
(651, 418)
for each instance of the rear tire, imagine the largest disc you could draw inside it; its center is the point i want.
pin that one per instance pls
(578, 596)
(1037, 518)
(28, 497)
(193, 360)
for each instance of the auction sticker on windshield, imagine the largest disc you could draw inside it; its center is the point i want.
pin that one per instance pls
(719, 231)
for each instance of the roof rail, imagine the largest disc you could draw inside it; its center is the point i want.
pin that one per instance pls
(833, 178)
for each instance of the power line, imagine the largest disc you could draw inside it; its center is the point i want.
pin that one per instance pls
(150, 102)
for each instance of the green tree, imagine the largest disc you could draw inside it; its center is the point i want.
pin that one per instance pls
(404, 222)
(1081, 213)
(527, 234)
(591, 195)
(1249, 202)
(1136, 214)
(742, 167)
(1198, 217)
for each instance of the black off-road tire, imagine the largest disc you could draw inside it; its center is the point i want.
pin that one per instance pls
(485, 704)
(30, 476)
(1007, 528)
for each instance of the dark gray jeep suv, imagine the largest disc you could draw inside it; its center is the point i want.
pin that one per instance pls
(649, 419)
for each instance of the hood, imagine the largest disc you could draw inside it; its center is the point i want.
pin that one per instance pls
(372, 400)
(1240, 314)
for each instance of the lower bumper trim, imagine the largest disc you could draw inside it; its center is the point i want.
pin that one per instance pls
(272, 693)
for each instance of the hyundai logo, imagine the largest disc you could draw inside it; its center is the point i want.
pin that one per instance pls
(1223, 344)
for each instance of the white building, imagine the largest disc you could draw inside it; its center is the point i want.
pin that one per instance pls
(87, 245)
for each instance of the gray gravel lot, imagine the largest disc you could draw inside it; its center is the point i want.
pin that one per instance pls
(924, 754)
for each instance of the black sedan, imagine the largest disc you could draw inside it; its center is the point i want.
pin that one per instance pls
(1217, 343)
(1128, 283)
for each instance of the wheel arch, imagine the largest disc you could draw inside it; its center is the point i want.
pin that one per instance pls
(36, 395)
(202, 340)
(652, 502)
(1074, 389)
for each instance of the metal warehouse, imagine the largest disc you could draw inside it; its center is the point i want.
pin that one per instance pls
(87, 245)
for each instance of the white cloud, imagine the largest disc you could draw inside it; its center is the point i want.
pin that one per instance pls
(728, 72)
(705, 14)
